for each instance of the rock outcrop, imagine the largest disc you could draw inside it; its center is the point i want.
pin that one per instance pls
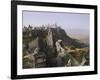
(44, 38)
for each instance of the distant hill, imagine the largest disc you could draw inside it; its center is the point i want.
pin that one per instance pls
(50, 35)
(59, 33)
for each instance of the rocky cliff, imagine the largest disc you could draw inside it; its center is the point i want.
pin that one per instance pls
(44, 38)
(48, 35)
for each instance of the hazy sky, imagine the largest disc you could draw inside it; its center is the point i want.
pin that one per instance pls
(76, 25)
